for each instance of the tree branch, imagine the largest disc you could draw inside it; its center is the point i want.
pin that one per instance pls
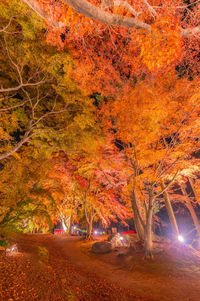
(16, 147)
(112, 3)
(34, 5)
(166, 187)
(22, 85)
(5, 27)
(89, 10)
(150, 8)
(190, 32)
(96, 13)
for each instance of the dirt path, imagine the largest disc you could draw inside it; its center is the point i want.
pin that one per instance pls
(51, 267)
(160, 288)
(41, 270)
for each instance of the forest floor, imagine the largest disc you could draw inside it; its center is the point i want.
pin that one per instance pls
(50, 267)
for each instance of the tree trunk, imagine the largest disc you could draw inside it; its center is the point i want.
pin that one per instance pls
(139, 227)
(193, 215)
(193, 188)
(89, 229)
(170, 211)
(70, 226)
(192, 212)
(67, 224)
(148, 231)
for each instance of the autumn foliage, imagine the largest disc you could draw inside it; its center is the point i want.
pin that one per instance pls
(109, 109)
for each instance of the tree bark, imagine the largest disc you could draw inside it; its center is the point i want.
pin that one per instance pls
(139, 227)
(89, 10)
(193, 215)
(67, 223)
(192, 212)
(148, 245)
(9, 153)
(96, 13)
(89, 229)
(193, 188)
(170, 211)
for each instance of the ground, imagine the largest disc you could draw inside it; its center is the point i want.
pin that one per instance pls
(50, 267)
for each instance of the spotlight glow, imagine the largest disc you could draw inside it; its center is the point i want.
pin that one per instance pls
(181, 238)
(64, 227)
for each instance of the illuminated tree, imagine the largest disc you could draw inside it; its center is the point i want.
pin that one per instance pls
(22, 208)
(156, 142)
(99, 184)
(116, 42)
(186, 184)
(42, 112)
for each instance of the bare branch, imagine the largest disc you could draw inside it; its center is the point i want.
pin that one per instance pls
(15, 106)
(112, 3)
(20, 79)
(150, 8)
(4, 28)
(168, 185)
(190, 32)
(34, 5)
(17, 146)
(95, 13)
(2, 90)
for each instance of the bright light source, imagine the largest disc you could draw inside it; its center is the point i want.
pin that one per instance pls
(181, 238)
(74, 227)
(64, 227)
(121, 238)
(13, 248)
(95, 232)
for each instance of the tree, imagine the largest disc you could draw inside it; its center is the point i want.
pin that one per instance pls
(42, 113)
(132, 38)
(105, 14)
(22, 207)
(170, 211)
(26, 85)
(100, 185)
(141, 59)
(58, 185)
(185, 183)
(40, 104)
(155, 142)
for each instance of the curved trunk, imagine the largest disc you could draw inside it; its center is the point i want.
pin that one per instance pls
(139, 227)
(170, 211)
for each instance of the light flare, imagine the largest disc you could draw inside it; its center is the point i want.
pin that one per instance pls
(181, 238)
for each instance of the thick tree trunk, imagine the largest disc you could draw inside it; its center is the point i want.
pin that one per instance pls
(193, 188)
(192, 212)
(148, 245)
(89, 230)
(139, 227)
(193, 215)
(170, 212)
(70, 226)
(67, 223)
